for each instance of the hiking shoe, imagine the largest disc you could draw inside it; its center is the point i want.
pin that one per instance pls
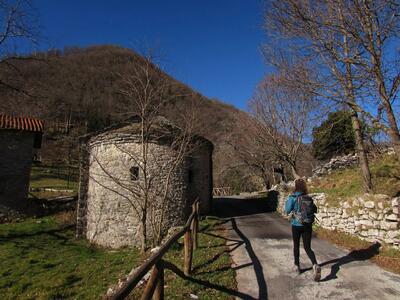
(317, 272)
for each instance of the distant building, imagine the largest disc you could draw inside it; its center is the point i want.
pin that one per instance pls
(105, 216)
(19, 137)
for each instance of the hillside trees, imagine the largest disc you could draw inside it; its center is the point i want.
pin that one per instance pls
(17, 25)
(283, 118)
(77, 91)
(252, 149)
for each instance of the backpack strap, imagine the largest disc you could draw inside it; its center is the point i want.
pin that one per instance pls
(298, 197)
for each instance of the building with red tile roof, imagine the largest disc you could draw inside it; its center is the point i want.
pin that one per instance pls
(19, 137)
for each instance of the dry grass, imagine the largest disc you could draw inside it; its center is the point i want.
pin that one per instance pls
(387, 257)
(66, 217)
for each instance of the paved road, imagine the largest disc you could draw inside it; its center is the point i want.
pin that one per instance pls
(261, 249)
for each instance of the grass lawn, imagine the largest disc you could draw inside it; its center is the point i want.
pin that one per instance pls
(387, 257)
(347, 183)
(55, 177)
(41, 259)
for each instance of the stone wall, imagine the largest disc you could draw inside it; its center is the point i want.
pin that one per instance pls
(16, 148)
(200, 178)
(106, 212)
(369, 217)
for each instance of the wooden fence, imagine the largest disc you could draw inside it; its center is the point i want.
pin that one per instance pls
(222, 191)
(155, 285)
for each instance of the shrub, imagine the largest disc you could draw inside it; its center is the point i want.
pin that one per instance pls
(334, 136)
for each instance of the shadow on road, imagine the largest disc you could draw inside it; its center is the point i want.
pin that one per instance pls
(258, 270)
(356, 255)
(229, 207)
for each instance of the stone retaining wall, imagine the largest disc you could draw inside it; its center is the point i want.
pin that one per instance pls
(369, 217)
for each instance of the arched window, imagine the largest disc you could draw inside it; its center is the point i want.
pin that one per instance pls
(134, 171)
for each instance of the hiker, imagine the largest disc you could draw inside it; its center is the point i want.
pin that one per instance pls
(301, 208)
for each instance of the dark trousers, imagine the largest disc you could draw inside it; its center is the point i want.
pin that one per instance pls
(304, 232)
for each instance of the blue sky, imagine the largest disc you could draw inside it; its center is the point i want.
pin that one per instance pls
(213, 46)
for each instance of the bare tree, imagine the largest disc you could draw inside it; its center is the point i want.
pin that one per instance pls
(145, 89)
(283, 118)
(315, 30)
(252, 149)
(17, 24)
(375, 26)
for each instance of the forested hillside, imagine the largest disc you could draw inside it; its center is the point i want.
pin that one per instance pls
(77, 91)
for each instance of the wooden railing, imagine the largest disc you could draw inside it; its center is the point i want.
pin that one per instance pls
(155, 285)
(222, 191)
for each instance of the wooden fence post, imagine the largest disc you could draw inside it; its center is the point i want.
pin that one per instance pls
(151, 285)
(194, 226)
(188, 246)
(159, 291)
(198, 215)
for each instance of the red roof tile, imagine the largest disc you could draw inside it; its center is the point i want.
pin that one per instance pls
(21, 123)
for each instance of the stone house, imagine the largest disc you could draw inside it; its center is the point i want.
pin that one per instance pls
(111, 171)
(19, 137)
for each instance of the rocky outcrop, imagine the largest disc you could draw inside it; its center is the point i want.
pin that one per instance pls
(369, 217)
(343, 162)
(336, 163)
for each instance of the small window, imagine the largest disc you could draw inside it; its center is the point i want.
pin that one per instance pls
(134, 171)
(190, 175)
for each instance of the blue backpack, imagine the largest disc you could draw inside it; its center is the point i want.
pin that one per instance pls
(305, 209)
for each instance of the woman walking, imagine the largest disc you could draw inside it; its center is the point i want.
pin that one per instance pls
(302, 209)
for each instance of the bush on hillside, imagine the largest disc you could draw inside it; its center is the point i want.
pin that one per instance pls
(334, 136)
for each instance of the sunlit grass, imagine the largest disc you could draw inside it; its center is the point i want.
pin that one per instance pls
(58, 178)
(387, 257)
(347, 183)
(41, 259)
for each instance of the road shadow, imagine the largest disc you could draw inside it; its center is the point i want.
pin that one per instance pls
(228, 207)
(356, 255)
(255, 262)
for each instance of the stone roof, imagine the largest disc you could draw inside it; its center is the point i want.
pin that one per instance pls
(21, 123)
(162, 129)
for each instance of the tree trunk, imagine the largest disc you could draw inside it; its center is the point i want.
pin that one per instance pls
(267, 183)
(349, 93)
(362, 156)
(273, 176)
(393, 127)
(143, 245)
(294, 171)
(375, 47)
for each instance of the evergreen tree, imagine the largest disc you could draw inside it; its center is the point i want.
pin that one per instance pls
(333, 137)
